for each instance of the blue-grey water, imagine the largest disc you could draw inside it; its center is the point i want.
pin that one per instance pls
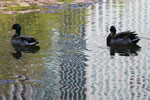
(73, 62)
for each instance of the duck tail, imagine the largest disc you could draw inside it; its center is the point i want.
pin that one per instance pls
(135, 40)
(33, 43)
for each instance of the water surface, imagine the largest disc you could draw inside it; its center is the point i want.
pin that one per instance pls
(73, 62)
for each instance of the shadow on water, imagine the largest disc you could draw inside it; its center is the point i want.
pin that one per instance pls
(130, 50)
(25, 49)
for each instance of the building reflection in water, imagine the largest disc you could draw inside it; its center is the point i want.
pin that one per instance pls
(69, 45)
(72, 66)
(122, 77)
(71, 59)
(70, 75)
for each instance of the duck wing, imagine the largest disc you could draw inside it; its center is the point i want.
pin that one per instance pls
(124, 34)
(27, 40)
(128, 34)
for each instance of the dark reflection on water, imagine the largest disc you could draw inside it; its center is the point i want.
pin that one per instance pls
(72, 66)
(72, 6)
(73, 79)
(25, 49)
(7, 81)
(130, 50)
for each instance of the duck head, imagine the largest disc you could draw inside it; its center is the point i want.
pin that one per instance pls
(112, 30)
(17, 27)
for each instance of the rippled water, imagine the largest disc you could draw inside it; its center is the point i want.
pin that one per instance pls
(73, 62)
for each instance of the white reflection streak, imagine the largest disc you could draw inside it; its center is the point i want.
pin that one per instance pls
(123, 18)
(11, 89)
(148, 16)
(88, 35)
(117, 15)
(147, 2)
(88, 29)
(103, 19)
(141, 14)
(97, 18)
(127, 14)
(136, 15)
(28, 93)
(98, 33)
(148, 11)
(130, 16)
(110, 12)
(19, 85)
(124, 79)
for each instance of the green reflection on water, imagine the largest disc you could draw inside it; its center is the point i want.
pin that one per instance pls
(20, 8)
(66, 1)
(41, 26)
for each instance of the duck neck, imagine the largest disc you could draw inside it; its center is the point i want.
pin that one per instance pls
(112, 33)
(17, 32)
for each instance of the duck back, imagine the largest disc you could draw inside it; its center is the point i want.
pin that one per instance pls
(121, 38)
(120, 41)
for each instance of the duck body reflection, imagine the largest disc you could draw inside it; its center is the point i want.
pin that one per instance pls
(128, 50)
(25, 49)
